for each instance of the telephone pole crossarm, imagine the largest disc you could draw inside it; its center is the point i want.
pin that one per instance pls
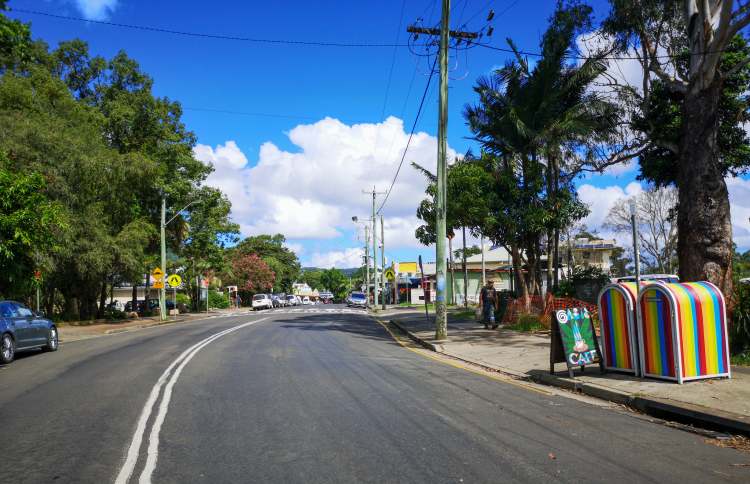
(456, 34)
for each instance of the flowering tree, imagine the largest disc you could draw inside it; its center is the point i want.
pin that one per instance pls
(252, 273)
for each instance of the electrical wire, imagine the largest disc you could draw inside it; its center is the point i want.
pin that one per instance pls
(469, 44)
(411, 135)
(207, 35)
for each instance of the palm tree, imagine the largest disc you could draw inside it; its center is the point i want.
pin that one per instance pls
(536, 124)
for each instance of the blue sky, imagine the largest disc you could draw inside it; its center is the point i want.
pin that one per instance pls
(301, 171)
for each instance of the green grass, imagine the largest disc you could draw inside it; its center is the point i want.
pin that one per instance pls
(463, 314)
(741, 359)
(527, 323)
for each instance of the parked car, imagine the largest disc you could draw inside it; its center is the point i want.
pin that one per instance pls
(22, 329)
(281, 299)
(357, 299)
(326, 297)
(291, 300)
(262, 301)
(153, 305)
(115, 306)
(306, 301)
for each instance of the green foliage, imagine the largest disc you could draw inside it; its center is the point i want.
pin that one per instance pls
(589, 273)
(15, 42)
(107, 150)
(312, 277)
(335, 281)
(662, 120)
(527, 323)
(217, 300)
(741, 265)
(183, 299)
(620, 263)
(30, 224)
(470, 251)
(739, 329)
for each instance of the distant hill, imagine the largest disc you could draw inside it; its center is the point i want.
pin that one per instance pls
(347, 272)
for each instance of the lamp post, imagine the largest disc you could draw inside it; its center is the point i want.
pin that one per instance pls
(163, 291)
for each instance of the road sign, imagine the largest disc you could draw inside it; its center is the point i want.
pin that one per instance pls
(157, 273)
(158, 284)
(390, 274)
(38, 275)
(174, 280)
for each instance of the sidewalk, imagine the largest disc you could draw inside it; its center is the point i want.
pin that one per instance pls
(75, 332)
(719, 404)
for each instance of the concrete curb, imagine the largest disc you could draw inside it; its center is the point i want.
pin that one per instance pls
(682, 412)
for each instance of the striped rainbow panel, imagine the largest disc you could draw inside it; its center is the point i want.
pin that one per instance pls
(702, 329)
(656, 330)
(615, 330)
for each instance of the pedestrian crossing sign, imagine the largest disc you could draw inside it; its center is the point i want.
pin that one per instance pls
(390, 274)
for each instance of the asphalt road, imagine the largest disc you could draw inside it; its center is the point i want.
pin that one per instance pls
(312, 397)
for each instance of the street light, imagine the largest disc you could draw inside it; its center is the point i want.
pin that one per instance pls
(163, 291)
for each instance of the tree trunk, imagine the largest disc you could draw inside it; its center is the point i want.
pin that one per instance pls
(453, 272)
(466, 269)
(550, 259)
(704, 245)
(556, 258)
(102, 300)
(135, 296)
(521, 280)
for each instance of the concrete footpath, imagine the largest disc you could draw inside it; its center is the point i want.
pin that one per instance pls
(720, 404)
(77, 331)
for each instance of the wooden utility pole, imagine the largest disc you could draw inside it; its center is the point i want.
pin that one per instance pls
(374, 222)
(382, 259)
(441, 319)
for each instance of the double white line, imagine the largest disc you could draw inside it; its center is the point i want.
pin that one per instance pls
(166, 380)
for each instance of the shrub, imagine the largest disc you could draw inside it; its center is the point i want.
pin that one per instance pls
(527, 322)
(183, 299)
(218, 300)
(114, 314)
(739, 331)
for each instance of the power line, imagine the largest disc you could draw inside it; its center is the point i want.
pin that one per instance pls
(208, 35)
(411, 135)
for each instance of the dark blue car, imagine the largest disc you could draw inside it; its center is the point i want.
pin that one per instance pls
(22, 329)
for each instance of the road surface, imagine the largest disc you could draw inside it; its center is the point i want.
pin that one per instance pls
(315, 395)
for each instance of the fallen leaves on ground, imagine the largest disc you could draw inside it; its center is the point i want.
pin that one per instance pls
(737, 442)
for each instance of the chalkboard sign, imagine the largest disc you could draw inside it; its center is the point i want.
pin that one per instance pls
(574, 340)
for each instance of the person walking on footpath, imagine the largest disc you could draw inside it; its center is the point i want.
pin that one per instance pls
(489, 303)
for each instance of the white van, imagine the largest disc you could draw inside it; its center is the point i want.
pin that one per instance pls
(262, 301)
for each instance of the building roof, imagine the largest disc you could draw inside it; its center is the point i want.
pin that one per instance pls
(589, 244)
(491, 254)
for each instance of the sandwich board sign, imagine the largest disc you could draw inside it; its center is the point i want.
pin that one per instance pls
(574, 340)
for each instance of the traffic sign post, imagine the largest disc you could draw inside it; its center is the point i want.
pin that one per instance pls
(174, 281)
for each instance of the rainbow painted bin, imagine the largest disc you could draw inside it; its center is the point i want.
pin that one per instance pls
(618, 329)
(683, 331)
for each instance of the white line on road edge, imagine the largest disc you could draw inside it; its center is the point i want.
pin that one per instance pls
(132, 458)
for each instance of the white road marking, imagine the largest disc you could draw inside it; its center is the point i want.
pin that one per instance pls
(135, 444)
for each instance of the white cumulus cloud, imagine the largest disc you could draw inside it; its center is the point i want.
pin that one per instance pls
(96, 9)
(312, 192)
(340, 259)
(601, 199)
